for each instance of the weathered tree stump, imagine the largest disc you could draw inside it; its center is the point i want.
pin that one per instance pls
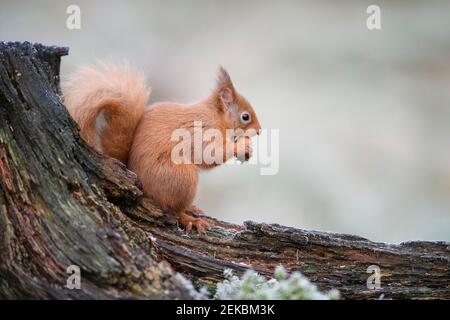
(62, 204)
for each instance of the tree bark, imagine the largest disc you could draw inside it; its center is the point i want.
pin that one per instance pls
(62, 204)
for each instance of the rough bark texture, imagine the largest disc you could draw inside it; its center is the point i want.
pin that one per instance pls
(62, 204)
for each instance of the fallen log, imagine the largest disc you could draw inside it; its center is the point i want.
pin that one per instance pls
(63, 204)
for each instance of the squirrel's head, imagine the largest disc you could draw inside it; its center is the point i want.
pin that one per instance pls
(236, 110)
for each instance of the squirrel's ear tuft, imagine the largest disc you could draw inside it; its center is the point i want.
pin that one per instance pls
(223, 78)
(225, 87)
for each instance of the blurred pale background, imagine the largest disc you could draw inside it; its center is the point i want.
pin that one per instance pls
(364, 116)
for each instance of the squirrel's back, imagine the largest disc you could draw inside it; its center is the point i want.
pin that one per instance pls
(107, 102)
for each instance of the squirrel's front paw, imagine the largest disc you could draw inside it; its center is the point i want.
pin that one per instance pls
(244, 149)
(190, 223)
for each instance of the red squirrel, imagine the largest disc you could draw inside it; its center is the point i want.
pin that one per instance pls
(110, 106)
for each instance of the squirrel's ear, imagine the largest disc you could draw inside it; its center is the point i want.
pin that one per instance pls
(225, 87)
(223, 78)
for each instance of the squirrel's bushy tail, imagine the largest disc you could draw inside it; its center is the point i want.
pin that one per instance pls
(107, 102)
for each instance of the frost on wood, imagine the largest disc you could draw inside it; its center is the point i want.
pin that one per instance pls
(252, 286)
(63, 204)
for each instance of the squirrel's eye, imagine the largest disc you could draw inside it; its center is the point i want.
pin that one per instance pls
(245, 116)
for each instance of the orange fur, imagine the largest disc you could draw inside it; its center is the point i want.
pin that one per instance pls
(147, 144)
(107, 103)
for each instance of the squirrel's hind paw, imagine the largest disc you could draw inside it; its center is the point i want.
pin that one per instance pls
(191, 223)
